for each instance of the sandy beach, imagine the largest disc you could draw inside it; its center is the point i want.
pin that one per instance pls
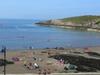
(22, 60)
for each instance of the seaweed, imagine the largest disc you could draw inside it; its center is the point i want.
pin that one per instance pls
(83, 64)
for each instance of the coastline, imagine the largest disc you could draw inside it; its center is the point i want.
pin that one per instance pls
(87, 23)
(74, 27)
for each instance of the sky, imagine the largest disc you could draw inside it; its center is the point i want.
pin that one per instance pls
(47, 9)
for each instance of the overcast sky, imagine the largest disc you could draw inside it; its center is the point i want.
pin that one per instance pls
(47, 9)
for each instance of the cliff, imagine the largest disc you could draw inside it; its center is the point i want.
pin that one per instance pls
(88, 21)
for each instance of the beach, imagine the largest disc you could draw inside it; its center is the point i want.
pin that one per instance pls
(49, 37)
(25, 60)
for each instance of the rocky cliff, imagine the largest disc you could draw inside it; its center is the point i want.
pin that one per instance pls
(79, 21)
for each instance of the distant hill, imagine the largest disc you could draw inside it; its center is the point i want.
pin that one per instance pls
(82, 19)
(87, 21)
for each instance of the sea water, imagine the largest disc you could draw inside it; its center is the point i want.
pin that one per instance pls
(22, 34)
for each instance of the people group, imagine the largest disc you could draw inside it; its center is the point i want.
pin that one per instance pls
(31, 66)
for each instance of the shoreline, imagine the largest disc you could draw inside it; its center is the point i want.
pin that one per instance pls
(73, 27)
(56, 48)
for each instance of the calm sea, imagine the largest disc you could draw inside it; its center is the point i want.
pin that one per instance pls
(21, 34)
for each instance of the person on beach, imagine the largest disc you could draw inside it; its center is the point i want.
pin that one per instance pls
(44, 72)
(25, 63)
(39, 72)
(30, 47)
(48, 71)
(86, 50)
(36, 65)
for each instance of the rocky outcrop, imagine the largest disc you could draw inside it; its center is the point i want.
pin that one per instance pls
(58, 23)
(81, 22)
(51, 22)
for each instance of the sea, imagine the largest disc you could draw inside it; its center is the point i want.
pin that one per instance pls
(22, 34)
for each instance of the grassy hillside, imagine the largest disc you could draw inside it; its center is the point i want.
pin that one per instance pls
(87, 22)
(83, 19)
